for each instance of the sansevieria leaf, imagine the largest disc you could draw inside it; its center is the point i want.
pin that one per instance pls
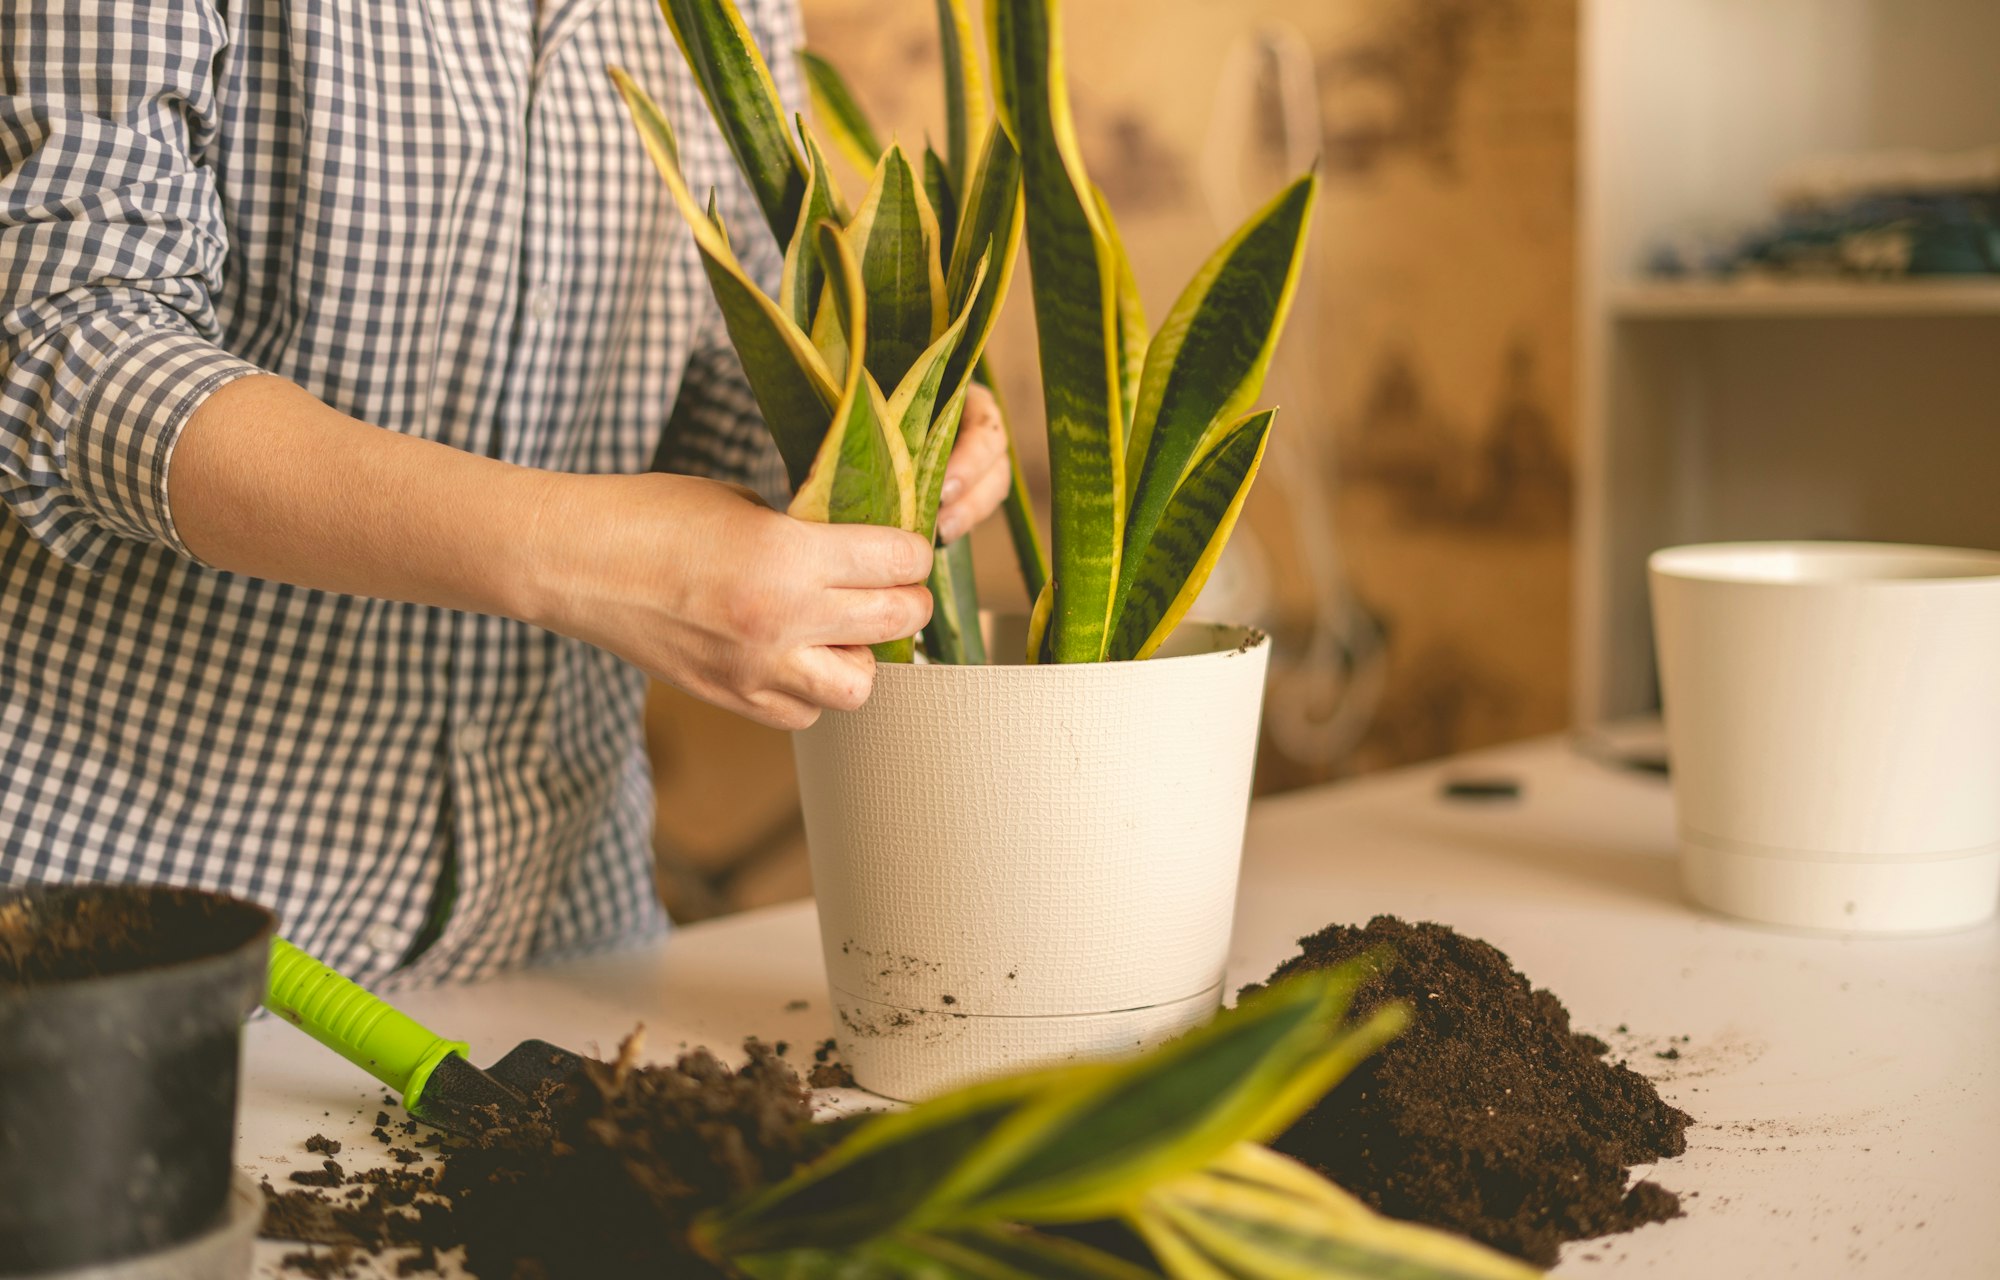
(874, 1180)
(894, 235)
(863, 473)
(1077, 1152)
(1206, 365)
(1075, 293)
(1131, 328)
(794, 388)
(953, 634)
(1189, 536)
(913, 406)
(744, 101)
(799, 287)
(987, 1253)
(839, 112)
(944, 202)
(964, 88)
(989, 229)
(1255, 1219)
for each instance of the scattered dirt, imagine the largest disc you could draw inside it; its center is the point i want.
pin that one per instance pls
(601, 1179)
(829, 1072)
(1488, 1116)
(320, 1144)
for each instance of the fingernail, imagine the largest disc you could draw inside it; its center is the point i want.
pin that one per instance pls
(949, 527)
(953, 486)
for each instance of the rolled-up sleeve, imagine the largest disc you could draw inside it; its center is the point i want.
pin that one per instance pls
(716, 429)
(112, 247)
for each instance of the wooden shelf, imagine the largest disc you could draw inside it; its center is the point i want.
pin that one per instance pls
(1720, 299)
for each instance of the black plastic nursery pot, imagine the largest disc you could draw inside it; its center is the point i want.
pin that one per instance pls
(121, 1019)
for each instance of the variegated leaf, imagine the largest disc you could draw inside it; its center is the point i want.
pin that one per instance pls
(863, 473)
(799, 287)
(914, 405)
(1168, 573)
(1290, 1224)
(953, 635)
(943, 196)
(894, 235)
(1075, 294)
(794, 388)
(990, 230)
(744, 101)
(1132, 328)
(964, 88)
(1206, 365)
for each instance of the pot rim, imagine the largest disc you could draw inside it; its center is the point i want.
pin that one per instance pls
(16, 998)
(1227, 640)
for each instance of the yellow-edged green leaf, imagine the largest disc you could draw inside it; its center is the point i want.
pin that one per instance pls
(1119, 1127)
(744, 101)
(895, 237)
(840, 112)
(1076, 309)
(1169, 572)
(944, 204)
(1031, 1255)
(873, 1180)
(914, 405)
(1207, 363)
(990, 230)
(799, 287)
(1038, 623)
(964, 91)
(862, 473)
(1265, 1230)
(953, 635)
(931, 462)
(1177, 1255)
(794, 388)
(1132, 329)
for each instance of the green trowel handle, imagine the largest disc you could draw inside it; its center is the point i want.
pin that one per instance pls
(354, 1022)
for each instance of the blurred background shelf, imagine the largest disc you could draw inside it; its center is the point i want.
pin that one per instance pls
(1723, 410)
(1726, 299)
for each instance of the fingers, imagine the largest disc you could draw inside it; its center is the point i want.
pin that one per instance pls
(866, 555)
(856, 617)
(838, 678)
(986, 496)
(779, 710)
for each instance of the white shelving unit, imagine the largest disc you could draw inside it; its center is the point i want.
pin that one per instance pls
(1767, 409)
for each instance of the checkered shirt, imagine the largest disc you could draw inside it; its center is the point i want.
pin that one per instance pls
(435, 216)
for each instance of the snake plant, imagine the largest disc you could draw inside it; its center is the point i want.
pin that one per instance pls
(861, 363)
(968, 1186)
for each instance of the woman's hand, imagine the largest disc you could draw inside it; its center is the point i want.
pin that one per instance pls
(701, 585)
(977, 477)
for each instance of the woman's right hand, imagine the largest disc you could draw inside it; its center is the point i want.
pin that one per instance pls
(701, 585)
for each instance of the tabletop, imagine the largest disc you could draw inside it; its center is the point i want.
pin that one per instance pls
(1845, 1091)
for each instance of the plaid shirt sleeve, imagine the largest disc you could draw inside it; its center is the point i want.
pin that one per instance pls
(111, 247)
(716, 429)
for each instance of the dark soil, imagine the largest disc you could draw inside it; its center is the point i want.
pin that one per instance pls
(829, 1072)
(600, 1179)
(1488, 1116)
(75, 932)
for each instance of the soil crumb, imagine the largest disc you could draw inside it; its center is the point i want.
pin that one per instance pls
(1488, 1115)
(600, 1178)
(829, 1072)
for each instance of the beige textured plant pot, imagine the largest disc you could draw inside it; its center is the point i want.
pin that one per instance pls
(1021, 865)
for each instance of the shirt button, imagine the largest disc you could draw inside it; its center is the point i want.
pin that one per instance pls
(471, 736)
(384, 937)
(542, 302)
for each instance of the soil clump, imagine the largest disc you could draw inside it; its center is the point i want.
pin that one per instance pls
(600, 1178)
(1488, 1116)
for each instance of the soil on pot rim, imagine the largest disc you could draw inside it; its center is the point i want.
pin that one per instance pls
(600, 1179)
(75, 933)
(1488, 1116)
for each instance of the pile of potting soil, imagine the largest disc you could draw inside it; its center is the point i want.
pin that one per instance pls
(600, 1179)
(1488, 1116)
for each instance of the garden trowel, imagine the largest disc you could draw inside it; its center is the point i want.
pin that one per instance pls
(438, 1083)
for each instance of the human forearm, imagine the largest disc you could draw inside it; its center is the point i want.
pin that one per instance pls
(696, 583)
(269, 481)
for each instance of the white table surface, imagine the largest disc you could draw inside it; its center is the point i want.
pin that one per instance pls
(1846, 1092)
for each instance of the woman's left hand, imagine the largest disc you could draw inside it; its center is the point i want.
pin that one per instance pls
(977, 477)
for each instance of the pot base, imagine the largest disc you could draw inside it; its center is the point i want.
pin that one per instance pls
(911, 1054)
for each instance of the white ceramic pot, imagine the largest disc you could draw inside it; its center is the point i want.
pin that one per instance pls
(1019, 865)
